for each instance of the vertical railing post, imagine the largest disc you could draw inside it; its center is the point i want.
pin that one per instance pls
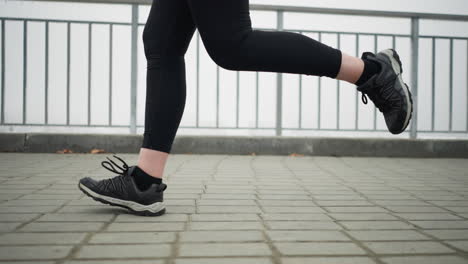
(2, 81)
(414, 73)
(279, 83)
(134, 66)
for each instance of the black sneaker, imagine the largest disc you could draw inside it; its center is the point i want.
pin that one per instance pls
(388, 91)
(122, 191)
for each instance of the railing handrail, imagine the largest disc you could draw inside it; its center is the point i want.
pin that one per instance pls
(320, 10)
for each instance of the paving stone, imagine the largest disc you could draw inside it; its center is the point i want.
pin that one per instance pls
(226, 202)
(228, 209)
(355, 209)
(12, 217)
(41, 238)
(221, 236)
(33, 252)
(344, 203)
(96, 209)
(180, 209)
(124, 251)
(322, 248)
(297, 203)
(183, 196)
(28, 209)
(148, 227)
(222, 249)
(6, 227)
(424, 260)
(448, 234)
(167, 217)
(441, 224)
(296, 217)
(284, 197)
(413, 247)
(376, 225)
(224, 217)
(362, 216)
(303, 225)
(428, 216)
(40, 202)
(416, 209)
(458, 209)
(228, 196)
(461, 245)
(61, 227)
(292, 209)
(133, 238)
(401, 202)
(327, 260)
(256, 260)
(387, 235)
(51, 196)
(304, 235)
(225, 225)
(72, 217)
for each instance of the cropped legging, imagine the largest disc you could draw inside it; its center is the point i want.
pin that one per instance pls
(226, 31)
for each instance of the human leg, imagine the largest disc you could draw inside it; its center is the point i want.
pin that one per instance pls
(226, 30)
(166, 36)
(227, 34)
(139, 188)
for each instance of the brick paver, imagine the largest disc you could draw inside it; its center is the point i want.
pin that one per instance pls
(227, 209)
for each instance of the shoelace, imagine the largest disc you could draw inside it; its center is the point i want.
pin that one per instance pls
(123, 174)
(124, 169)
(381, 102)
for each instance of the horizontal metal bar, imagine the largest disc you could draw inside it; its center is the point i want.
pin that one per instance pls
(61, 125)
(349, 33)
(442, 37)
(319, 10)
(65, 21)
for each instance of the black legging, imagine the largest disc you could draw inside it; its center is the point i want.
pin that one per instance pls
(226, 31)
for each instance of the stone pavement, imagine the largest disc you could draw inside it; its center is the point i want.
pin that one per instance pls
(224, 209)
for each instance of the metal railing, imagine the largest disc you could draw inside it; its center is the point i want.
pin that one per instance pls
(415, 37)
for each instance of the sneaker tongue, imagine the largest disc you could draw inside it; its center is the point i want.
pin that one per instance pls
(131, 170)
(369, 85)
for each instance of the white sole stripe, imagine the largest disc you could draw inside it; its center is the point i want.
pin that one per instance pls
(154, 208)
(396, 67)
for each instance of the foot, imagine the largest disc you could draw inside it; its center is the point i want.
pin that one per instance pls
(388, 91)
(122, 191)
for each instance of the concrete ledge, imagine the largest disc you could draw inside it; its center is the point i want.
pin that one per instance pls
(239, 145)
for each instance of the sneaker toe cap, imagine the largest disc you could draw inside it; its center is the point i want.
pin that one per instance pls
(89, 182)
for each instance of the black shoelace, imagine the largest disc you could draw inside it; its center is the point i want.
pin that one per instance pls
(117, 183)
(380, 96)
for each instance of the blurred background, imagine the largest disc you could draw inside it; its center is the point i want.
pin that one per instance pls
(79, 67)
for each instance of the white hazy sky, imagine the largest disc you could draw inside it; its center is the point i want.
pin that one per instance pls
(431, 6)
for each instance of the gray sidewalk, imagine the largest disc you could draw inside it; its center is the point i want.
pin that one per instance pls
(240, 209)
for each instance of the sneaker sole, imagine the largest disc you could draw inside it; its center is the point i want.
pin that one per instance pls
(155, 209)
(398, 68)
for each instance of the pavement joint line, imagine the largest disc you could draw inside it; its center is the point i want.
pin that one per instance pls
(40, 214)
(86, 240)
(275, 254)
(443, 242)
(369, 252)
